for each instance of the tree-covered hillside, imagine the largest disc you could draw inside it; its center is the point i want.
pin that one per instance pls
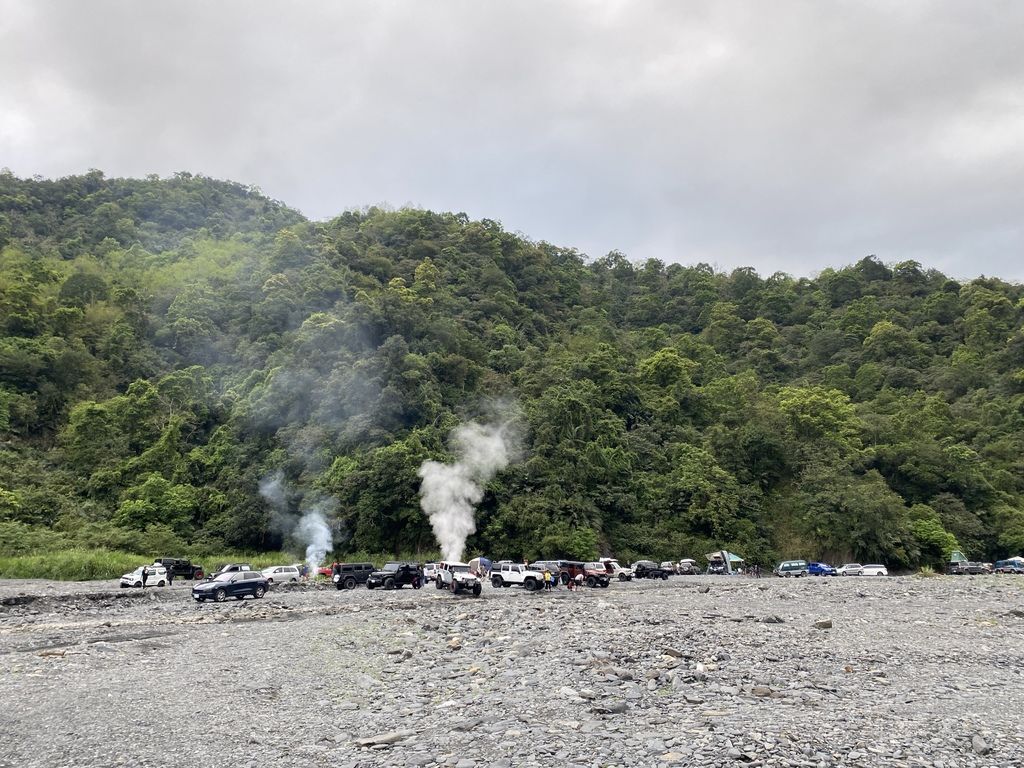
(167, 347)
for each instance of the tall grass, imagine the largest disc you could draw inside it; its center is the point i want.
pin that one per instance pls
(70, 565)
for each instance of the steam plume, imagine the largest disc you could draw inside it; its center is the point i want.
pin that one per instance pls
(449, 492)
(316, 534)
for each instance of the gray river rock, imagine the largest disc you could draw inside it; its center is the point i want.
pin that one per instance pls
(693, 671)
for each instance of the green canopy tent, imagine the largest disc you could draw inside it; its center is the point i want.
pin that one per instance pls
(728, 561)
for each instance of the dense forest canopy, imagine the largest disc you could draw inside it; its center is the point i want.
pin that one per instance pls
(167, 345)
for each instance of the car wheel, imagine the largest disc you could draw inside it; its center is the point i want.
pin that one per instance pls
(604, 584)
(622, 577)
(350, 583)
(530, 584)
(591, 582)
(416, 584)
(664, 577)
(477, 589)
(496, 581)
(220, 595)
(270, 582)
(389, 583)
(161, 584)
(260, 591)
(455, 587)
(137, 584)
(438, 584)
(564, 578)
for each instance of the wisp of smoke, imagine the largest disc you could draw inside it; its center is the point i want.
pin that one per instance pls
(316, 534)
(450, 492)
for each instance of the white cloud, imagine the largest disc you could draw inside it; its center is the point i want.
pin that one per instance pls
(788, 135)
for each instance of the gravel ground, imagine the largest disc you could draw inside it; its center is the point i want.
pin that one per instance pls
(693, 671)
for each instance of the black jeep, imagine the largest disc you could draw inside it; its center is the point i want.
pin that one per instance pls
(348, 575)
(396, 576)
(183, 568)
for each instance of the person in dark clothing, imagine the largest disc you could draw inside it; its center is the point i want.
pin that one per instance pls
(170, 575)
(145, 575)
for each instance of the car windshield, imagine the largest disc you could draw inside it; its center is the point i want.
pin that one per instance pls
(460, 568)
(391, 566)
(853, 565)
(224, 576)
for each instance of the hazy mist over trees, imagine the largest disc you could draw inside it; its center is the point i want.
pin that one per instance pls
(167, 344)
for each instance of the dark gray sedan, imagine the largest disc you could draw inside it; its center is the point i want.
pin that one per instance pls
(236, 584)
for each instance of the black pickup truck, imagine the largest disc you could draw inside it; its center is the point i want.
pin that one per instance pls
(648, 569)
(184, 569)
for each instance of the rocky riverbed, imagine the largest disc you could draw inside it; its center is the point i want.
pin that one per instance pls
(693, 671)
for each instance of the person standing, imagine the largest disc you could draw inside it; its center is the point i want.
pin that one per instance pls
(145, 575)
(170, 574)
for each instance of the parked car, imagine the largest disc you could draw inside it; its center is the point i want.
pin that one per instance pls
(687, 567)
(236, 584)
(791, 568)
(507, 574)
(648, 569)
(429, 571)
(457, 577)
(232, 568)
(850, 569)
(179, 568)
(821, 569)
(1013, 565)
(874, 570)
(281, 573)
(595, 575)
(668, 567)
(616, 571)
(568, 570)
(349, 575)
(156, 577)
(396, 576)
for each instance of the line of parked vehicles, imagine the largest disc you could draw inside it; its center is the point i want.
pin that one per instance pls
(798, 568)
(238, 580)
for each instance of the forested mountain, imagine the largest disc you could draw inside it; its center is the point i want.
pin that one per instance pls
(167, 345)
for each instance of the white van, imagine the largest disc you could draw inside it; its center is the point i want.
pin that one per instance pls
(791, 568)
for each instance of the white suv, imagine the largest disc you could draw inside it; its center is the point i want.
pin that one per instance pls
(507, 574)
(615, 570)
(156, 576)
(457, 577)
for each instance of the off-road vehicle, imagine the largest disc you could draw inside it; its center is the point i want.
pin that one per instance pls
(595, 575)
(348, 575)
(458, 578)
(616, 571)
(507, 574)
(185, 569)
(648, 569)
(395, 576)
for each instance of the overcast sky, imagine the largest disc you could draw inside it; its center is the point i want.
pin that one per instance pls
(781, 135)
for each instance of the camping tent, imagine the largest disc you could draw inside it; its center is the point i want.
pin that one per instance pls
(728, 560)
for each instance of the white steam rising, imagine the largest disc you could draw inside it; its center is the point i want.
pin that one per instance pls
(316, 534)
(312, 530)
(450, 492)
